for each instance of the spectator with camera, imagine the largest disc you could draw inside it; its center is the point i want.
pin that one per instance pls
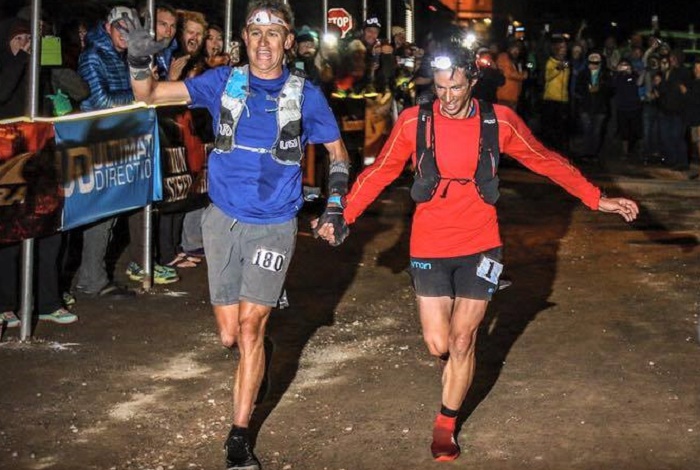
(555, 104)
(514, 74)
(592, 95)
(379, 59)
(671, 105)
(625, 83)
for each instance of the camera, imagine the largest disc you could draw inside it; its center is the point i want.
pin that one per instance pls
(408, 62)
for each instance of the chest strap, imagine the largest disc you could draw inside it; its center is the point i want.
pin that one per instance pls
(427, 177)
(287, 147)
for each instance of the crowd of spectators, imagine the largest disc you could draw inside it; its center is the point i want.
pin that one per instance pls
(577, 92)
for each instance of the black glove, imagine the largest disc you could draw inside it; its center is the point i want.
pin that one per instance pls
(334, 215)
(141, 45)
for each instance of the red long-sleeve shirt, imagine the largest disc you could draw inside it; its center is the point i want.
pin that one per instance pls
(461, 223)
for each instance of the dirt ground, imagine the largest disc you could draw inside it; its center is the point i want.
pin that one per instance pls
(590, 360)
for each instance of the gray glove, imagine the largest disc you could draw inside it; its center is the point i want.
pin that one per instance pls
(141, 45)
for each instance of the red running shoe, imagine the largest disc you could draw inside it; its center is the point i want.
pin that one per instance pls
(444, 447)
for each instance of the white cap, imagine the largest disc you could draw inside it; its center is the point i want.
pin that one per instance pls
(120, 13)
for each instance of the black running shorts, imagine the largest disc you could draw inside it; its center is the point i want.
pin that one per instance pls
(470, 277)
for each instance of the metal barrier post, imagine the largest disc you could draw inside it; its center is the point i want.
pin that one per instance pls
(147, 261)
(27, 262)
(228, 25)
(388, 20)
(325, 16)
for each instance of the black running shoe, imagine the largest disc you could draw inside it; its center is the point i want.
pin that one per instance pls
(239, 454)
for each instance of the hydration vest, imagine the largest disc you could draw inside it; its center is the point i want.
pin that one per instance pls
(427, 177)
(287, 148)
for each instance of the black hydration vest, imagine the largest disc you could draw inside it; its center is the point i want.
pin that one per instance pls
(427, 177)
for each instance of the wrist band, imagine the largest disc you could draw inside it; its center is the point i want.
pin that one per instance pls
(335, 199)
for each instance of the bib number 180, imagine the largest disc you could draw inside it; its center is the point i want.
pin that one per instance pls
(270, 260)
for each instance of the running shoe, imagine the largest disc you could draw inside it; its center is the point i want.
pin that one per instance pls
(68, 299)
(10, 319)
(60, 316)
(444, 447)
(161, 274)
(239, 454)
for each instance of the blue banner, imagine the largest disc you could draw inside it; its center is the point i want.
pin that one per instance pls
(111, 164)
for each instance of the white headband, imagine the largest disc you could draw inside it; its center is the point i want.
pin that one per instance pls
(266, 18)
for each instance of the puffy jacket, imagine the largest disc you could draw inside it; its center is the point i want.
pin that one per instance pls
(106, 72)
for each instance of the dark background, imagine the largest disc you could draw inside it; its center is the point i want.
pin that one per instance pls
(562, 15)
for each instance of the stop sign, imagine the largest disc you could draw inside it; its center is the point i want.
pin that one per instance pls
(342, 19)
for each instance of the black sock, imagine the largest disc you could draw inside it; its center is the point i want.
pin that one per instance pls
(238, 431)
(448, 412)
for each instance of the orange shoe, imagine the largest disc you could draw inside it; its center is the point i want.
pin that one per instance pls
(444, 447)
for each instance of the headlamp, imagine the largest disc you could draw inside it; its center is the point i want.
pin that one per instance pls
(266, 18)
(442, 62)
(330, 40)
(452, 59)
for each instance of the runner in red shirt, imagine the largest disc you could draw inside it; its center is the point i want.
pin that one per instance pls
(455, 244)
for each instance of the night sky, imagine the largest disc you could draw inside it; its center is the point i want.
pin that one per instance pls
(564, 14)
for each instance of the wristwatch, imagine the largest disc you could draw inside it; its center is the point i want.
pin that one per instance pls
(337, 200)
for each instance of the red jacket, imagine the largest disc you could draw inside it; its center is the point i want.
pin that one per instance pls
(461, 223)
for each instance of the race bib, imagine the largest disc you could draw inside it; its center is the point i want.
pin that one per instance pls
(489, 269)
(270, 260)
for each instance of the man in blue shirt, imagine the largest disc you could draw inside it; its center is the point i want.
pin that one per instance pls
(263, 117)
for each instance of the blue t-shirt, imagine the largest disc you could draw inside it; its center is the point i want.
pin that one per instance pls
(249, 186)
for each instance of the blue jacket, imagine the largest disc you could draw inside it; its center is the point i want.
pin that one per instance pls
(163, 59)
(106, 72)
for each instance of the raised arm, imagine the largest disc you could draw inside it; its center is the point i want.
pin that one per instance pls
(141, 47)
(156, 92)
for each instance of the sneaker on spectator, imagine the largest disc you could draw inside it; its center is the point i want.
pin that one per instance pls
(10, 319)
(68, 299)
(161, 274)
(61, 316)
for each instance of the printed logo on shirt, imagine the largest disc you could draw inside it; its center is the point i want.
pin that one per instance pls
(289, 144)
(225, 130)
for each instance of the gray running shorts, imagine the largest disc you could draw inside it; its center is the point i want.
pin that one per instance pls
(246, 261)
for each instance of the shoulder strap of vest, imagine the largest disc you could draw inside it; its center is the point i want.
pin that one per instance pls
(298, 72)
(425, 130)
(489, 131)
(489, 155)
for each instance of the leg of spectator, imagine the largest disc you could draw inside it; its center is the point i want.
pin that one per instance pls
(666, 142)
(598, 131)
(586, 123)
(191, 240)
(92, 274)
(680, 143)
(136, 237)
(9, 275)
(169, 236)
(47, 291)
